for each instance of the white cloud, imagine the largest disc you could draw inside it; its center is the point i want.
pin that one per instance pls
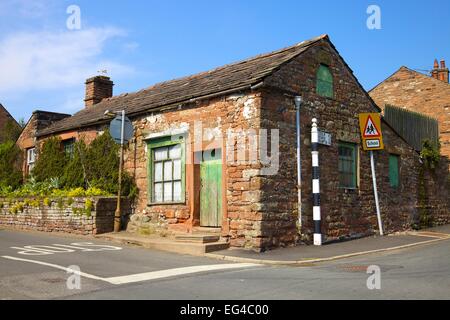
(54, 60)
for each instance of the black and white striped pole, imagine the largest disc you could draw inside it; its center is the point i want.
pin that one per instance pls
(316, 183)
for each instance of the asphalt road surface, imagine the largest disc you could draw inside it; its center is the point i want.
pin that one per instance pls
(42, 266)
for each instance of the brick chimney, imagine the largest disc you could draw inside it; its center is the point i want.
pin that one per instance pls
(440, 72)
(97, 89)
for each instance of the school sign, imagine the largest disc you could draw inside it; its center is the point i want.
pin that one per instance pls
(370, 125)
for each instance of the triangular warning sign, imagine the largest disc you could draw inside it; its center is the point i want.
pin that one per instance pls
(370, 129)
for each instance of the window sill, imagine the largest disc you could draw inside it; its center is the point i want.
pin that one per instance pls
(152, 204)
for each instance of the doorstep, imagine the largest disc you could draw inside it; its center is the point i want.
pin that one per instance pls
(183, 244)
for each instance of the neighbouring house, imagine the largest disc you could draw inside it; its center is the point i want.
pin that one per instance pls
(217, 151)
(27, 141)
(415, 91)
(7, 124)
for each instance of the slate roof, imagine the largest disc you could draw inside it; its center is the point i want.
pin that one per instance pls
(229, 78)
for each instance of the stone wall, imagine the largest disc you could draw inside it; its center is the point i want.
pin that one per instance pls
(346, 213)
(434, 195)
(86, 216)
(241, 223)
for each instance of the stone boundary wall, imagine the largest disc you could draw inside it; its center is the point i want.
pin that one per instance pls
(85, 216)
(434, 195)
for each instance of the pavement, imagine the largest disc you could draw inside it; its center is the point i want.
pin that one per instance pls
(293, 255)
(38, 266)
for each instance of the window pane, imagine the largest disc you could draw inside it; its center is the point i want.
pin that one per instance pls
(167, 170)
(177, 191)
(160, 154)
(158, 171)
(175, 152)
(177, 169)
(158, 192)
(167, 191)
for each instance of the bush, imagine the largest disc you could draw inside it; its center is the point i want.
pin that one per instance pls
(51, 161)
(90, 171)
(74, 173)
(103, 163)
(10, 174)
(430, 154)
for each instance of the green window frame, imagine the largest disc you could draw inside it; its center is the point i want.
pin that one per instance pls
(348, 165)
(166, 165)
(394, 170)
(324, 82)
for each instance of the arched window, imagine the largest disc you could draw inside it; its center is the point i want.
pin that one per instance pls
(324, 82)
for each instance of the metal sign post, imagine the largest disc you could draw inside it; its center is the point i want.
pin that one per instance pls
(372, 139)
(121, 130)
(375, 191)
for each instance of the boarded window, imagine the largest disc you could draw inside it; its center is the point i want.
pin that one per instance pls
(347, 165)
(394, 161)
(167, 171)
(324, 82)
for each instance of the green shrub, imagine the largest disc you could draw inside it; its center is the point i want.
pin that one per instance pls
(10, 174)
(78, 192)
(430, 154)
(90, 171)
(47, 202)
(74, 174)
(50, 162)
(88, 206)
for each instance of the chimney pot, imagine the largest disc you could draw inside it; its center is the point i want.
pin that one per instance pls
(436, 64)
(97, 89)
(442, 64)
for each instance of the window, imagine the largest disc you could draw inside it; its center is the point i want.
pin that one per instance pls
(324, 82)
(31, 159)
(167, 171)
(394, 170)
(68, 146)
(347, 165)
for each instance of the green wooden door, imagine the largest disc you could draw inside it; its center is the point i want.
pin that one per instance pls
(211, 193)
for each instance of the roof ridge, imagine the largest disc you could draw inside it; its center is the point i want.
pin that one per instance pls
(263, 55)
(235, 76)
(410, 70)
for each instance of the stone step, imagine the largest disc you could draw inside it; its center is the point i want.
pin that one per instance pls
(206, 230)
(166, 244)
(197, 238)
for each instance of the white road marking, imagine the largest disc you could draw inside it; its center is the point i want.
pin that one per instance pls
(86, 275)
(176, 272)
(154, 275)
(40, 250)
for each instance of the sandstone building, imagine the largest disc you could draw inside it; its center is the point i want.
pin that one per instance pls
(7, 123)
(418, 92)
(217, 151)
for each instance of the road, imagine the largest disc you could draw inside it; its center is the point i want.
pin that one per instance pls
(35, 265)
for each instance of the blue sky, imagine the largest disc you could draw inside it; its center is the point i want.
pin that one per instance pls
(43, 65)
